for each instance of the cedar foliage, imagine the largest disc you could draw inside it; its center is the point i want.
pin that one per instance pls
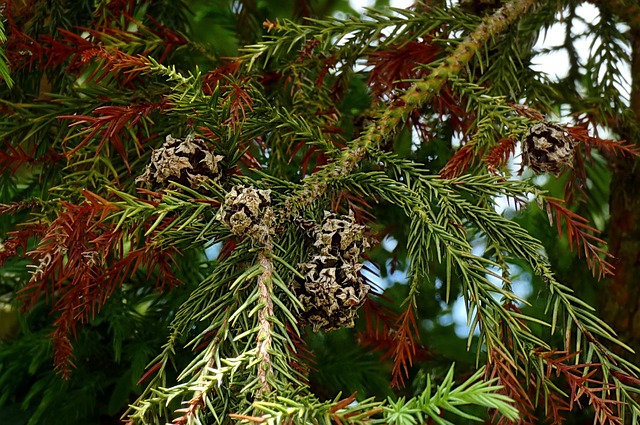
(176, 303)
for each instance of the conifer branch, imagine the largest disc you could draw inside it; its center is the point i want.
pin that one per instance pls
(491, 316)
(415, 97)
(428, 405)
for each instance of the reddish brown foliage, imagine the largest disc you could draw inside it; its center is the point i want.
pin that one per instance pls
(110, 122)
(220, 75)
(115, 63)
(254, 419)
(238, 100)
(378, 319)
(25, 52)
(312, 152)
(22, 50)
(527, 112)
(227, 249)
(575, 185)
(392, 67)
(395, 67)
(79, 49)
(69, 45)
(582, 383)
(190, 412)
(341, 404)
(150, 371)
(306, 51)
(80, 262)
(352, 202)
(68, 267)
(447, 103)
(557, 405)
(581, 235)
(616, 147)
(499, 155)
(18, 239)
(405, 347)
(626, 379)
(14, 157)
(339, 85)
(459, 162)
(395, 336)
(47, 52)
(511, 376)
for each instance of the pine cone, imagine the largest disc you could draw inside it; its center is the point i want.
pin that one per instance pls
(247, 211)
(188, 162)
(332, 290)
(547, 148)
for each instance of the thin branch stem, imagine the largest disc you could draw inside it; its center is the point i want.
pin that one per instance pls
(265, 286)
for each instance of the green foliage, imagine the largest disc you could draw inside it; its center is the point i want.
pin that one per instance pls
(429, 404)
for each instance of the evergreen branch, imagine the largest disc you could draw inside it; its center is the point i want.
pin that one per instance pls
(516, 240)
(415, 97)
(35, 121)
(188, 86)
(246, 343)
(503, 233)
(430, 404)
(474, 391)
(442, 231)
(310, 410)
(233, 334)
(211, 299)
(354, 36)
(604, 77)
